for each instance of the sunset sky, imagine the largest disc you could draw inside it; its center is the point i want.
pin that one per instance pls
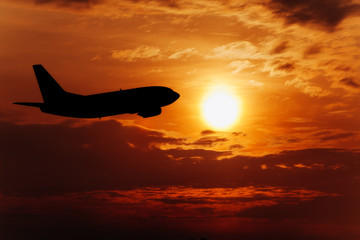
(287, 167)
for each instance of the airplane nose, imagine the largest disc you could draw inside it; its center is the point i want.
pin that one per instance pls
(176, 96)
(171, 97)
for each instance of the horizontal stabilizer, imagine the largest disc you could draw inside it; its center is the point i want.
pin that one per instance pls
(30, 104)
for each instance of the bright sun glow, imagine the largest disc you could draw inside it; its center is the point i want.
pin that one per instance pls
(220, 109)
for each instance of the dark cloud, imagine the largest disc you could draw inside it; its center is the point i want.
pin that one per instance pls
(209, 141)
(192, 156)
(324, 13)
(321, 133)
(79, 181)
(350, 82)
(11, 115)
(207, 132)
(286, 67)
(168, 3)
(343, 68)
(336, 209)
(181, 200)
(226, 200)
(282, 47)
(106, 155)
(238, 134)
(180, 215)
(338, 136)
(56, 158)
(206, 210)
(235, 147)
(282, 65)
(294, 140)
(315, 49)
(70, 3)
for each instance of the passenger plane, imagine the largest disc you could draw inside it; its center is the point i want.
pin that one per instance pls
(145, 101)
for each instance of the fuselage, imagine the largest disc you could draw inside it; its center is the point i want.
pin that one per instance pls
(144, 101)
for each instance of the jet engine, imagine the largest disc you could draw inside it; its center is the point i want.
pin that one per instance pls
(150, 112)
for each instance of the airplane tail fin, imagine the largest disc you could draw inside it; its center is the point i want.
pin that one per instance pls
(50, 89)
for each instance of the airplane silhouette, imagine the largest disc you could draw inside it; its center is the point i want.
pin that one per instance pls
(145, 101)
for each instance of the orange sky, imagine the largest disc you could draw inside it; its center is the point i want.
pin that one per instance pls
(293, 65)
(296, 76)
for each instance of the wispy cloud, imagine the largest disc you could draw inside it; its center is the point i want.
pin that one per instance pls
(132, 55)
(308, 87)
(235, 50)
(184, 53)
(240, 65)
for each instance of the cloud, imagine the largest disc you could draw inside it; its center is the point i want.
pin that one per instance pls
(240, 65)
(336, 106)
(307, 87)
(77, 4)
(350, 82)
(194, 156)
(299, 120)
(254, 83)
(338, 136)
(335, 209)
(312, 50)
(182, 212)
(168, 3)
(326, 14)
(279, 67)
(343, 68)
(86, 176)
(207, 132)
(239, 133)
(235, 147)
(286, 67)
(282, 47)
(184, 53)
(71, 157)
(209, 141)
(132, 55)
(62, 158)
(235, 50)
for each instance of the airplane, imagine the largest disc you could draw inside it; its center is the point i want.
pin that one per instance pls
(144, 101)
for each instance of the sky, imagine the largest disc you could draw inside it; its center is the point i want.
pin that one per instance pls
(287, 167)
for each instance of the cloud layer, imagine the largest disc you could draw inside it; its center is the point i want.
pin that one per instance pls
(108, 155)
(105, 179)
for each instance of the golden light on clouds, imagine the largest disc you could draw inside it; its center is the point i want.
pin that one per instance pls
(221, 108)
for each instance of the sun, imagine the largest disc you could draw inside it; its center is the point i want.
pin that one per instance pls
(221, 109)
